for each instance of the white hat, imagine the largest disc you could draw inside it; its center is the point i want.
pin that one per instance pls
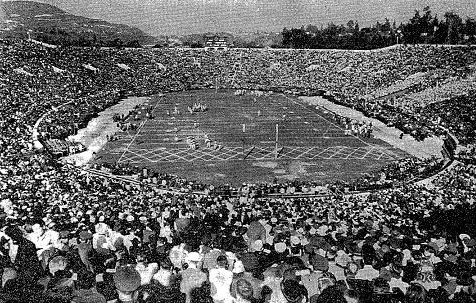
(295, 240)
(194, 257)
(280, 247)
(257, 245)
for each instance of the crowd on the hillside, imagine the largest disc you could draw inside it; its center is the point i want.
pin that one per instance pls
(70, 236)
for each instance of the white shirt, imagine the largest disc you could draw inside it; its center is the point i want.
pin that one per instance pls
(43, 241)
(221, 279)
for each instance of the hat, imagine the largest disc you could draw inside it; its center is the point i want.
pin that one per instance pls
(464, 236)
(280, 247)
(319, 262)
(295, 240)
(194, 257)
(342, 259)
(292, 291)
(257, 245)
(126, 279)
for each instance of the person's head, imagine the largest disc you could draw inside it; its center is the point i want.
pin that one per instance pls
(57, 263)
(244, 289)
(416, 293)
(166, 264)
(292, 291)
(37, 227)
(331, 294)
(14, 233)
(319, 263)
(193, 259)
(351, 296)
(222, 261)
(351, 269)
(127, 281)
(8, 274)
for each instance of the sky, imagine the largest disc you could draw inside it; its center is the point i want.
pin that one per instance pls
(177, 17)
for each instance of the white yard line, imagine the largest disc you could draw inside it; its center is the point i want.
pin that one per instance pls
(316, 114)
(138, 132)
(368, 152)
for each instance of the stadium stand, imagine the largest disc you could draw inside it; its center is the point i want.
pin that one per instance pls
(72, 236)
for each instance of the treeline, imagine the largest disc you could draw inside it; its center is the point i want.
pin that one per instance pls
(423, 27)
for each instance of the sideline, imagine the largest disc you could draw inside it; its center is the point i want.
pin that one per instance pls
(35, 134)
(430, 146)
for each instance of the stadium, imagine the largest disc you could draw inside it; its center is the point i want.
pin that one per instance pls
(237, 175)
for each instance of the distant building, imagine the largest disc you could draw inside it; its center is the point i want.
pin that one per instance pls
(216, 42)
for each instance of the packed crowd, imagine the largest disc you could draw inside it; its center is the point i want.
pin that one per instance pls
(70, 236)
(82, 238)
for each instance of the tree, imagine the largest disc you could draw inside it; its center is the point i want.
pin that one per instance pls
(454, 23)
(351, 26)
(470, 29)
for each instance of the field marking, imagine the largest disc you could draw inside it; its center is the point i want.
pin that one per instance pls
(368, 152)
(258, 153)
(380, 156)
(132, 141)
(135, 136)
(234, 151)
(353, 152)
(340, 148)
(296, 102)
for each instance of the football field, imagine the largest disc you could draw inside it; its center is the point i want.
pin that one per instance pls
(255, 137)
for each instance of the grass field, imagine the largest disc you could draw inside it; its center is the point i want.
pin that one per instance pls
(310, 145)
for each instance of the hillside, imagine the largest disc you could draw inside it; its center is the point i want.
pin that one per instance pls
(53, 25)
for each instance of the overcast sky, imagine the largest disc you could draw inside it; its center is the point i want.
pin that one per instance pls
(158, 17)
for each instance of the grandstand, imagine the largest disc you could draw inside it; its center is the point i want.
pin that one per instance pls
(119, 231)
